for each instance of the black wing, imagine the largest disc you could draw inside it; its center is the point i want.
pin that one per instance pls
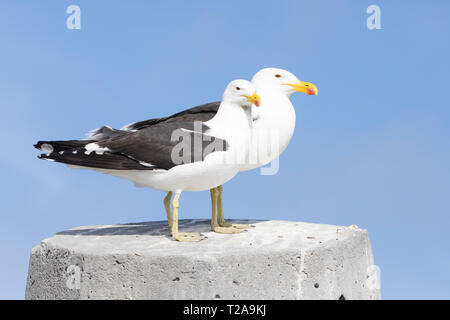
(202, 113)
(152, 147)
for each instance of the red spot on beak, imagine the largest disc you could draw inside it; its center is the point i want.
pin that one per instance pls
(310, 92)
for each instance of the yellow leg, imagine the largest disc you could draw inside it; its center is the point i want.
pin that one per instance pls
(216, 226)
(221, 219)
(181, 236)
(167, 207)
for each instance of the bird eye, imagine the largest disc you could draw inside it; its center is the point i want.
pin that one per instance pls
(278, 76)
(237, 88)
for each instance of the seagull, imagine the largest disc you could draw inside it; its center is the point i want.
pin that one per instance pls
(190, 155)
(275, 119)
(273, 123)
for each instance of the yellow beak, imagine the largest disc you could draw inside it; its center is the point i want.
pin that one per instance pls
(304, 87)
(254, 98)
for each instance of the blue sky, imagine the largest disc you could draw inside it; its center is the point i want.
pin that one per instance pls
(372, 149)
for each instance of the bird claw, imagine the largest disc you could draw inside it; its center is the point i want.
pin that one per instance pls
(234, 225)
(227, 230)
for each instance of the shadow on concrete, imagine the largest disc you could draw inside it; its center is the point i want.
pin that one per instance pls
(156, 228)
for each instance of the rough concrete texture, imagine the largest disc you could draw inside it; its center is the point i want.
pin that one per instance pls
(273, 260)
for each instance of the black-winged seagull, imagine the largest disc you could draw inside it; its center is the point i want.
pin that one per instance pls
(276, 118)
(154, 156)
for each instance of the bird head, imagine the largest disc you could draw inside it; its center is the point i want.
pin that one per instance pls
(241, 92)
(282, 81)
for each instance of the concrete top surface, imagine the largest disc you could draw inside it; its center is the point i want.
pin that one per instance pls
(152, 238)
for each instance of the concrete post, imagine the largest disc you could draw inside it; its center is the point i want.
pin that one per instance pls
(273, 260)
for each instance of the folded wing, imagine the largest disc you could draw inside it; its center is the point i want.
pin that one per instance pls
(149, 148)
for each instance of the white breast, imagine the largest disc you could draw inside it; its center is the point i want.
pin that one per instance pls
(232, 124)
(273, 128)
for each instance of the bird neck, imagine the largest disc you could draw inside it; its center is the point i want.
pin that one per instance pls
(275, 106)
(233, 115)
